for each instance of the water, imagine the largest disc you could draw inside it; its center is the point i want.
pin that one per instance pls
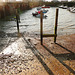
(66, 23)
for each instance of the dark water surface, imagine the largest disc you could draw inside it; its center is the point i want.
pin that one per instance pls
(66, 22)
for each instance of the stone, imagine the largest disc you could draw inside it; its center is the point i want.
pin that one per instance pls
(29, 40)
(12, 71)
(19, 70)
(12, 60)
(1, 56)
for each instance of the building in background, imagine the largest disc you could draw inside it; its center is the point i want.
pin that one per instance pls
(54, 0)
(9, 0)
(6, 1)
(57, 0)
(33, 0)
(73, 0)
(12, 0)
(64, 0)
(25, 0)
(1, 0)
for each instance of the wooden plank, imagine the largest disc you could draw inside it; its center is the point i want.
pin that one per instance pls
(56, 22)
(41, 27)
(17, 20)
(49, 35)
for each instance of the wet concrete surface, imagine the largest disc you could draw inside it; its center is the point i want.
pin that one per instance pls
(26, 56)
(18, 58)
(6, 39)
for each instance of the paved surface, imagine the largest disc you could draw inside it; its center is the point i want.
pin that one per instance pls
(26, 56)
(7, 39)
(18, 58)
(62, 59)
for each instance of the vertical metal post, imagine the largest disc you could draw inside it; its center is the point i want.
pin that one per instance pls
(56, 22)
(17, 20)
(41, 27)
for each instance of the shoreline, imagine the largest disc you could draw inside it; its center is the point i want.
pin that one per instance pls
(9, 38)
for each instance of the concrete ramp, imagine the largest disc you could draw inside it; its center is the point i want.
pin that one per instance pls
(27, 57)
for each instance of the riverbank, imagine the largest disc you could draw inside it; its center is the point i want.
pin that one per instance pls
(7, 9)
(26, 56)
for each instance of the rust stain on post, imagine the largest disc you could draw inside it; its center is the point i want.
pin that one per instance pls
(56, 22)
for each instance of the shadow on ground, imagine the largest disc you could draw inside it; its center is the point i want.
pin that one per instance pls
(38, 54)
(66, 56)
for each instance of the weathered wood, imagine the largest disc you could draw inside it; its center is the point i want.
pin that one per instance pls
(49, 35)
(56, 22)
(41, 27)
(17, 20)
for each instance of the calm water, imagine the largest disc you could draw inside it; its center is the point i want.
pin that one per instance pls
(66, 22)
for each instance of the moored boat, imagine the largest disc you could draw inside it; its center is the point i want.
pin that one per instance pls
(38, 12)
(61, 6)
(65, 7)
(71, 9)
(39, 8)
(38, 16)
(34, 14)
(44, 11)
(45, 6)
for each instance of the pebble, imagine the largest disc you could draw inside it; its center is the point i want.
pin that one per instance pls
(14, 64)
(19, 70)
(1, 56)
(29, 40)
